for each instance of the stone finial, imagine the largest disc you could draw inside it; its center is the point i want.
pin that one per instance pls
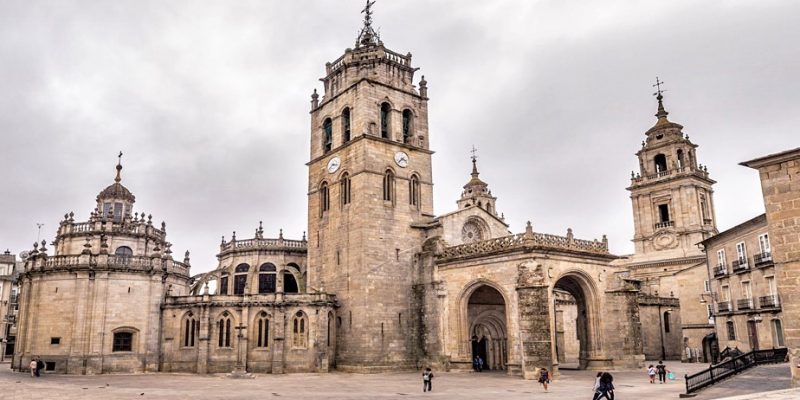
(103, 244)
(570, 236)
(528, 230)
(118, 178)
(280, 234)
(643, 143)
(304, 236)
(222, 243)
(233, 237)
(150, 219)
(186, 257)
(423, 87)
(314, 100)
(163, 226)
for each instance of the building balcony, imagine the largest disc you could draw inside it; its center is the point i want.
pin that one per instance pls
(720, 271)
(724, 307)
(744, 304)
(763, 260)
(740, 265)
(769, 302)
(663, 224)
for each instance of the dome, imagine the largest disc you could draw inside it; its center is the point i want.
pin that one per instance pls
(116, 191)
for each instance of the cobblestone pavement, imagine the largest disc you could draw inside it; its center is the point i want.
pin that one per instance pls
(453, 385)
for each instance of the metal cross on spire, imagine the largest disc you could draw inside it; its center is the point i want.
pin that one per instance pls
(474, 152)
(367, 11)
(658, 88)
(119, 168)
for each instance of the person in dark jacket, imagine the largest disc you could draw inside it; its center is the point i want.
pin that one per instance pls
(39, 366)
(661, 370)
(605, 388)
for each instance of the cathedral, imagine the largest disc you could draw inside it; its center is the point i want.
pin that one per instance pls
(380, 282)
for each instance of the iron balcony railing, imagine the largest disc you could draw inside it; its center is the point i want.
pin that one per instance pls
(740, 265)
(744, 304)
(724, 307)
(664, 224)
(770, 301)
(720, 270)
(763, 259)
(716, 373)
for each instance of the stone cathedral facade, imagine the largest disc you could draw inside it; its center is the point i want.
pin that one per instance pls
(380, 282)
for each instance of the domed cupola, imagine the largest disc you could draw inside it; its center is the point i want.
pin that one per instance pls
(116, 201)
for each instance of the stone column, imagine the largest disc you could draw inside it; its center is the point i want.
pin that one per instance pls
(780, 184)
(622, 328)
(534, 321)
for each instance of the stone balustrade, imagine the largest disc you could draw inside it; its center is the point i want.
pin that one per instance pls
(264, 244)
(110, 262)
(522, 241)
(96, 227)
(250, 299)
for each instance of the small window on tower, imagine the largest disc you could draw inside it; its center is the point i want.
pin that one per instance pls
(660, 161)
(407, 118)
(327, 130)
(346, 125)
(386, 109)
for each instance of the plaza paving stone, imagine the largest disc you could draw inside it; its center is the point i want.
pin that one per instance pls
(452, 385)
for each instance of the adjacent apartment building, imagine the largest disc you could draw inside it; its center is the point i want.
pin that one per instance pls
(8, 304)
(743, 287)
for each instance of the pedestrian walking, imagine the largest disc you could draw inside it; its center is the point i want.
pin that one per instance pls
(33, 367)
(651, 372)
(475, 364)
(427, 380)
(544, 378)
(480, 364)
(661, 370)
(597, 382)
(39, 366)
(605, 388)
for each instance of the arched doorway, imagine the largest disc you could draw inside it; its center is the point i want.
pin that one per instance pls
(486, 316)
(574, 303)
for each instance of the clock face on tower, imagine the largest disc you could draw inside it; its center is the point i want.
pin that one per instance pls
(334, 164)
(401, 158)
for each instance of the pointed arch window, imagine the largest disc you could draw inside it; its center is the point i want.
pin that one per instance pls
(324, 198)
(300, 330)
(262, 333)
(191, 328)
(388, 186)
(344, 188)
(266, 278)
(240, 279)
(224, 330)
(413, 191)
(327, 135)
(346, 125)
(407, 126)
(386, 110)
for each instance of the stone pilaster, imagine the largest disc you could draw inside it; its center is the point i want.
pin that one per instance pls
(535, 334)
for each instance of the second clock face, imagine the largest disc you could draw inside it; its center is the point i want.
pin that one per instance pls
(334, 164)
(401, 158)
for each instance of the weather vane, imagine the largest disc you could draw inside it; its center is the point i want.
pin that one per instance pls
(658, 87)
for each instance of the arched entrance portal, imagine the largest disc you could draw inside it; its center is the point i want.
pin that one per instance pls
(486, 315)
(575, 321)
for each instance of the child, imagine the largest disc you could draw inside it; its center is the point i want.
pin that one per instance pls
(544, 378)
(427, 377)
(651, 371)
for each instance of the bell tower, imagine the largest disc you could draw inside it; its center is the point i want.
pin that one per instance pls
(672, 195)
(369, 193)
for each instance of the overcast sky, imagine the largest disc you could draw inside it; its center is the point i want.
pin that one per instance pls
(209, 102)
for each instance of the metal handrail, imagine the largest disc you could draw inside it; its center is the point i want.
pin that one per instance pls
(716, 373)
